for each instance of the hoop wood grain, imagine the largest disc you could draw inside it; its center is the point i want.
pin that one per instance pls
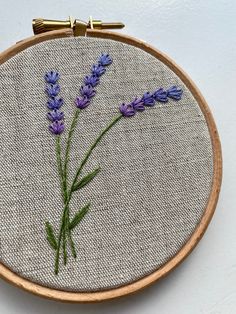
(64, 296)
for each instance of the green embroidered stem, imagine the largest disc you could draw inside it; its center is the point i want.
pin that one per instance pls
(65, 226)
(60, 169)
(68, 142)
(50, 235)
(67, 155)
(110, 125)
(64, 195)
(64, 245)
(60, 238)
(72, 245)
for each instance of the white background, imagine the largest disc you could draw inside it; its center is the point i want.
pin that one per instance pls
(201, 37)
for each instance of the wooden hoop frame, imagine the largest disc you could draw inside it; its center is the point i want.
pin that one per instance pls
(74, 297)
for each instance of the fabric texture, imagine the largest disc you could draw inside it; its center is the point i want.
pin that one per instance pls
(156, 168)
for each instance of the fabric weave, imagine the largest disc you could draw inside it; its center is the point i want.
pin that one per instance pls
(156, 168)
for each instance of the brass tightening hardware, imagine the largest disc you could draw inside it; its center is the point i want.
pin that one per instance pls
(79, 27)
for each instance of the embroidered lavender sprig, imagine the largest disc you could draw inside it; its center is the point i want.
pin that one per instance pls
(54, 103)
(56, 117)
(87, 92)
(149, 99)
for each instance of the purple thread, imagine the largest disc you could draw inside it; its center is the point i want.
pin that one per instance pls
(53, 90)
(138, 104)
(160, 95)
(55, 115)
(105, 59)
(87, 90)
(127, 110)
(148, 99)
(57, 127)
(51, 77)
(98, 70)
(92, 80)
(82, 102)
(54, 104)
(174, 93)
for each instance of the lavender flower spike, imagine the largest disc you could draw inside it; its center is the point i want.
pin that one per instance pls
(87, 90)
(148, 99)
(51, 77)
(174, 93)
(54, 103)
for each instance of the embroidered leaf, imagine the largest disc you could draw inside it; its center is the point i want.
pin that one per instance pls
(50, 236)
(79, 216)
(85, 180)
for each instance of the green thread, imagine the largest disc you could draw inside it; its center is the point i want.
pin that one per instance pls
(64, 246)
(50, 235)
(110, 125)
(59, 240)
(86, 179)
(68, 143)
(60, 168)
(79, 216)
(66, 226)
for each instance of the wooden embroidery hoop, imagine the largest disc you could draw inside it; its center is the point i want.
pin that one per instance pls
(74, 297)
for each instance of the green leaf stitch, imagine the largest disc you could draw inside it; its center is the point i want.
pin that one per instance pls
(86, 179)
(50, 236)
(79, 216)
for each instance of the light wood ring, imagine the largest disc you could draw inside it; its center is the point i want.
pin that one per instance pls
(65, 296)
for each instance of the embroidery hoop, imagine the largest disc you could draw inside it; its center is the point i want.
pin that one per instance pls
(75, 297)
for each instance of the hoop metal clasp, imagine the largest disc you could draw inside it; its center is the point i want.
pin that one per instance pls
(79, 27)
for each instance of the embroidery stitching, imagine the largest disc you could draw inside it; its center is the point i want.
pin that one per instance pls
(56, 117)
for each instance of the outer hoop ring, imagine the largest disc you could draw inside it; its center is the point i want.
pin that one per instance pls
(85, 297)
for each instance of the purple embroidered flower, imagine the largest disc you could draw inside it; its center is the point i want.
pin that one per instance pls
(87, 90)
(82, 102)
(127, 110)
(51, 77)
(57, 127)
(55, 115)
(98, 70)
(174, 93)
(105, 59)
(160, 95)
(54, 103)
(53, 90)
(138, 104)
(92, 80)
(148, 99)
